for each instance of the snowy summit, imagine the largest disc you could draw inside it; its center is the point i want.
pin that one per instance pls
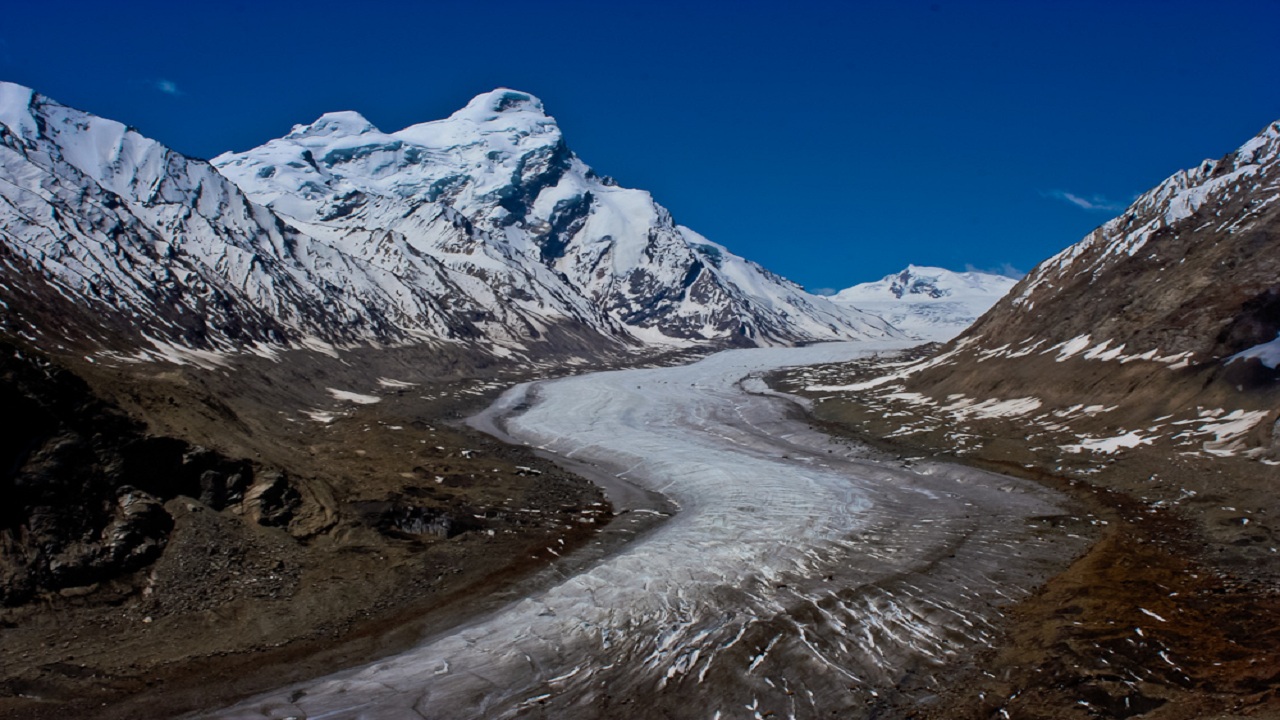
(929, 303)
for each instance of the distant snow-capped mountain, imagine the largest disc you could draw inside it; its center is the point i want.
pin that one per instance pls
(482, 228)
(927, 302)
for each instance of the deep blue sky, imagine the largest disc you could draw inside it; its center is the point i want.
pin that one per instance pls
(833, 142)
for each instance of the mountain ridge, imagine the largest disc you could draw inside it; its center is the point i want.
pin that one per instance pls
(480, 229)
(503, 164)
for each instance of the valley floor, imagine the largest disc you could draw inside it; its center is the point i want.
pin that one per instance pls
(947, 591)
(801, 576)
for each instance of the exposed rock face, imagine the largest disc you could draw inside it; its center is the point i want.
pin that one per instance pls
(85, 486)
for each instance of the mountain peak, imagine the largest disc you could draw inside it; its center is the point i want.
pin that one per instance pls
(919, 281)
(501, 100)
(503, 113)
(14, 91)
(931, 303)
(343, 123)
(15, 103)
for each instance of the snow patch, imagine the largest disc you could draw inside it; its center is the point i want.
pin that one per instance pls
(354, 397)
(1108, 445)
(1221, 434)
(1267, 353)
(1070, 348)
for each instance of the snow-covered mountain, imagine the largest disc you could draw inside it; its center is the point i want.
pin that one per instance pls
(928, 303)
(480, 229)
(541, 220)
(141, 240)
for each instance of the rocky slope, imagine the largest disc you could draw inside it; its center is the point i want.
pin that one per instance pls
(271, 519)
(482, 230)
(1159, 328)
(1189, 270)
(928, 303)
(86, 485)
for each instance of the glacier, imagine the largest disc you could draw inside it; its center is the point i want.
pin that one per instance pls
(799, 575)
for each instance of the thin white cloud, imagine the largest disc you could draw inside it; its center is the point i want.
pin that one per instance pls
(824, 291)
(1096, 203)
(1004, 269)
(168, 87)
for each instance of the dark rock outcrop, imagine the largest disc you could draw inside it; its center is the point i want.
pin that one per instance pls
(84, 485)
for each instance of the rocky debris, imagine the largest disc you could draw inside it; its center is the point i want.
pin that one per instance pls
(407, 520)
(213, 560)
(271, 500)
(86, 485)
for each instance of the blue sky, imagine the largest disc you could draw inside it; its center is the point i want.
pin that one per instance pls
(833, 142)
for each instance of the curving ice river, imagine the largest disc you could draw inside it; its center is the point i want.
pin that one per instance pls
(800, 576)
